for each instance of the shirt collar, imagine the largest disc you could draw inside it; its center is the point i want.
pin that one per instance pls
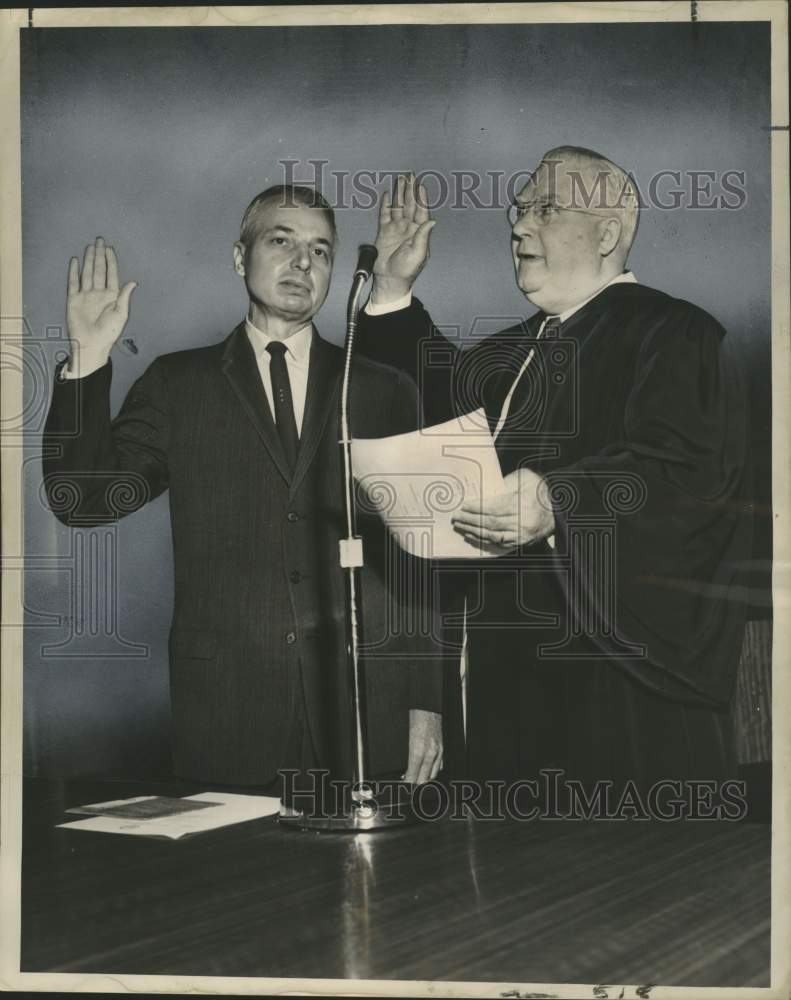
(626, 277)
(297, 345)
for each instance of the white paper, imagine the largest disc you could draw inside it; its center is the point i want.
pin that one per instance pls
(417, 481)
(232, 809)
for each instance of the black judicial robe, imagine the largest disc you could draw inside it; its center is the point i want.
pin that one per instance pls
(614, 654)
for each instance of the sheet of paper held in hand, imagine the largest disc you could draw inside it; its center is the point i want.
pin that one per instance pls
(417, 481)
(205, 811)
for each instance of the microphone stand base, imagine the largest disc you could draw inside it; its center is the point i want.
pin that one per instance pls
(385, 812)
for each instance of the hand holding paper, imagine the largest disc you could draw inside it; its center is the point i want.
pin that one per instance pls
(417, 482)
(521, 514)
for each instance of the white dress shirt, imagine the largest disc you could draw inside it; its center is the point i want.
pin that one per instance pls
(297, 364)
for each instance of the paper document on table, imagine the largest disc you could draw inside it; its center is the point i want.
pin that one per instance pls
(417, 481)
(143, 807)
(221, 809)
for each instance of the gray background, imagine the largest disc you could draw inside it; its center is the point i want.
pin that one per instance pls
(157, 139)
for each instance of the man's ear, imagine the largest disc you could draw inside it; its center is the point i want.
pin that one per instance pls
(609, 236)
(238, 258)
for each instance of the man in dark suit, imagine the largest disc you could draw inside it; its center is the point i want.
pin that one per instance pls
(244, 435)
(604, 640)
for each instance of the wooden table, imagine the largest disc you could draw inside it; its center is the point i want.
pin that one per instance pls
(678, 903)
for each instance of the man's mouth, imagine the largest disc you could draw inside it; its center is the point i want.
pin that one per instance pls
(529, 257)
(295, 286)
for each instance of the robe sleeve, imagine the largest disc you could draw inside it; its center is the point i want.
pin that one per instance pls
(408, 341)
(662, 593)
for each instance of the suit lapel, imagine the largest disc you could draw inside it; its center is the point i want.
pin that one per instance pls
(326, 363)
(241, 369)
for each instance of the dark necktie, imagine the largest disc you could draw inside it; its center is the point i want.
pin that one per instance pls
(284, 404)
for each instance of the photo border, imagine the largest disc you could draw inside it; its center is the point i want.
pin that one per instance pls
(11, 326)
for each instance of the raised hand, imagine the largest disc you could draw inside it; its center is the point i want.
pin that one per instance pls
(96, 311)
(402, 239)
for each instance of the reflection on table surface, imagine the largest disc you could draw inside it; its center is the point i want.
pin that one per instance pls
(675, 903)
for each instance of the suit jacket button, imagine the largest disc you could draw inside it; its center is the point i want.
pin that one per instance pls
(296, 576)
(291, 638)
(292, 516)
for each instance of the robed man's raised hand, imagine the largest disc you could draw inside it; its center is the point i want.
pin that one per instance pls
(402, 239)
(96, 309)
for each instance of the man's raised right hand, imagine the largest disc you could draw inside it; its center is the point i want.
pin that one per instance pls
(96, 311)
(401, 240)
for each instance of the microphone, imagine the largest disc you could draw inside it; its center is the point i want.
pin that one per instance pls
(366, 258)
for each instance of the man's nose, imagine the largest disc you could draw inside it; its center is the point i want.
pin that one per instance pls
(301, 259)
(525, 226)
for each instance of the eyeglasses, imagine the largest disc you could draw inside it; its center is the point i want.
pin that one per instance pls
(543, 211)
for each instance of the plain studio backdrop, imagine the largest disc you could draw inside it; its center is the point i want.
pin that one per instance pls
(157, 139)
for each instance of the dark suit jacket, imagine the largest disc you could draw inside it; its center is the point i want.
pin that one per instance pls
(258, 635)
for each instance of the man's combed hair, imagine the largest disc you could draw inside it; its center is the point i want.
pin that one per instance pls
(609, 188)
(284, 196)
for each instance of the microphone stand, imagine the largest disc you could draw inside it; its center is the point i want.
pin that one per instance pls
(351, 548)
(366, 810)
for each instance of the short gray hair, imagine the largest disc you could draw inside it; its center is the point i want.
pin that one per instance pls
(286, 196)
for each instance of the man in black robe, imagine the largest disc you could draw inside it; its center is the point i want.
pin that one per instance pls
(605, 638)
